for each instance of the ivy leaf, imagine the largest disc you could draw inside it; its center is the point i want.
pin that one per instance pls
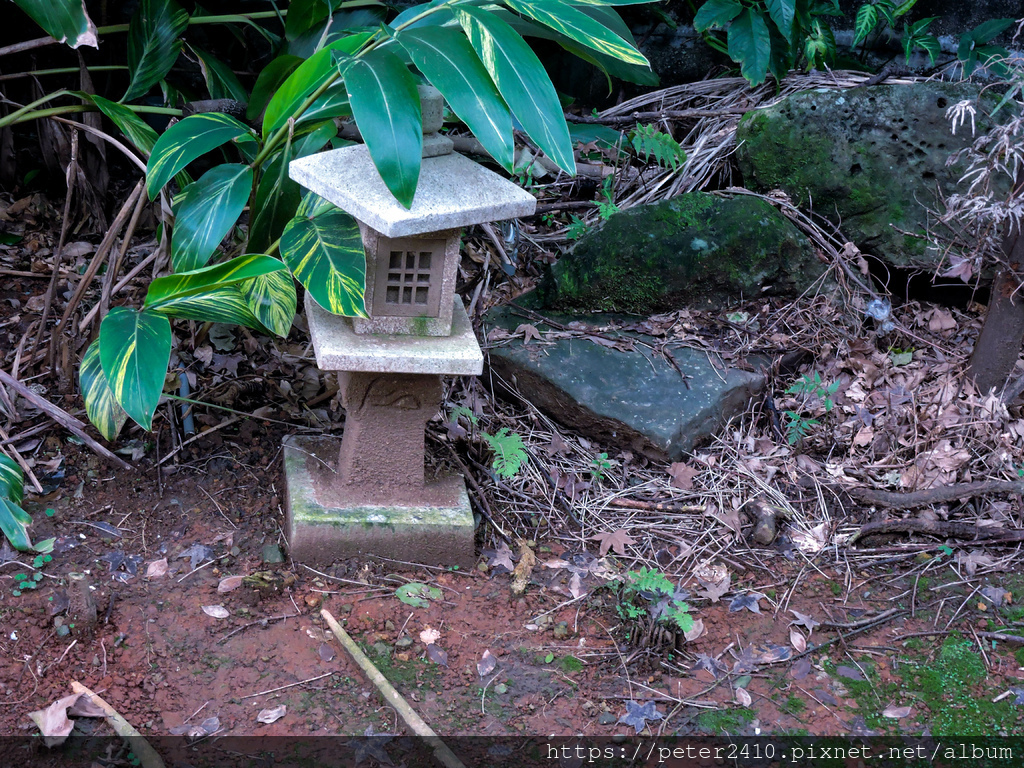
(417, 595)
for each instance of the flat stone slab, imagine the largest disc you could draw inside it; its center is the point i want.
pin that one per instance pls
(323, 527)
(453, 192)
(635, 399)
(339, 348)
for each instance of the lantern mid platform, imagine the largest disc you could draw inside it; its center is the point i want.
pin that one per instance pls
(339, 348)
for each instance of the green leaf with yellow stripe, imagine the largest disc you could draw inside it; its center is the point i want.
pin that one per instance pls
(135, 348)
(12, 479)
(186, 140)
(272, 299)
(154, 40)
(448, 61)
(323, 249)
(221, 304)
(100, 404)
(206, 211)
(386, 107)
(521, 80)
(180, 285)
(14, 522)
(310, 75)
(580, 27)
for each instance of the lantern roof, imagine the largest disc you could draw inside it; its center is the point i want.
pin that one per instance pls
(453, 192)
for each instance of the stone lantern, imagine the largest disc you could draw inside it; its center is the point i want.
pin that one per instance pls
(373, 496)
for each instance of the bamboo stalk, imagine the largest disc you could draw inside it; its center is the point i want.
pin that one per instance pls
(393, 697)
(143, 750)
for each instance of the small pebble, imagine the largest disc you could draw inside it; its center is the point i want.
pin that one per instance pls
(403, 642)
(500, 688)
(272, 554)
(561, 630)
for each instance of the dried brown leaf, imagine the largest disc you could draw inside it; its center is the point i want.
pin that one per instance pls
(268, 716)
(797, 640)
(682, 475)
(229, 583)
(486, 664)
(615, 541)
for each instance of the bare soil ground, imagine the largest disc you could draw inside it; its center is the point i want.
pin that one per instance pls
(807, 635)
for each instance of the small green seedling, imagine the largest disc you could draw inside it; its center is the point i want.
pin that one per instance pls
(798, 425)
(600, 466)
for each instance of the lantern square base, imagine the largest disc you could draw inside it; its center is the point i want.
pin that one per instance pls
(324, 524)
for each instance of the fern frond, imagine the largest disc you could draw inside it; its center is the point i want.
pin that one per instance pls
(509, 452)
(648, 142)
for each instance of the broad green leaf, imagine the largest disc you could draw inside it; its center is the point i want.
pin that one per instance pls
(990, 29)
(970, 62)
(131, 125)
(447, 60)
(303, 15)
(12, 479)
(332, 103)
(613, 2)
(605, 15)
(928, 43)
(580, 27)
(174, 287)
(186, 140)
(221, 304)
(100, 405)
(221, 82)
(992, 56)
(867, 19)
(205, 213)
(12, 522)
(275, 73)
(277, 196)
(386, 107)
(323, 249)
(716, 13)
(750, 45)
(404, 20)
(782, 13)
(66, 21)
(341, 24)
(272, 299)
(633, 73)
(314, 72)
(522, 82)
(135, 348)
(154, 40)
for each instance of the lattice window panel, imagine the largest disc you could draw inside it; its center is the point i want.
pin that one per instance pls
(408, 278)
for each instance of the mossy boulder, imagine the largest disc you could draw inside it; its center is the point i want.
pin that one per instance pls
(695, 250)
(871, 160)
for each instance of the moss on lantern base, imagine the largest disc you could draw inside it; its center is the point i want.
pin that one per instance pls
(322, 527)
